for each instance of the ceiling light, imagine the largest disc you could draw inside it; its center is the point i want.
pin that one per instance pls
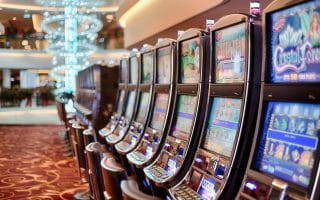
(14, 18)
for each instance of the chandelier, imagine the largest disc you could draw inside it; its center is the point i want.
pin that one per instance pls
(71, 27)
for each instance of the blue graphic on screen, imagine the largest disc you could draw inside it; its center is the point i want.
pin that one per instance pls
(288, 141)
(223, 125)
(171, 166)
(207, 189)
(294, 39)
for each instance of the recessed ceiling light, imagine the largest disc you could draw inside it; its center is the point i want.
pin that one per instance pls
(14, 18)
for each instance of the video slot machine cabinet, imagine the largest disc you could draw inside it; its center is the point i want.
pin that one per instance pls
(131, 105)
(121, 99)
(161, 109)
(145, 91)
(284, 160)
(95, 95)
(184, 135)
(231, 111)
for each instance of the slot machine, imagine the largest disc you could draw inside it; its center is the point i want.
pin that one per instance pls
(155, 133)
(284, 159)
(132, 99)
(231, 111)
(183, 134)
(120, 102)
(145, 91)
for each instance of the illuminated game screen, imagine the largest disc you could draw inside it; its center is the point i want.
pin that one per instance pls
(190, 61)
(207, 189)
(171, 165)
(230, 49)
(294, 43)
(130, 104)
(134, 65)
(123, 71)
(288, 141)
(143, 107)
(120, 102)
(159, 111)
(222, 125)
(147, 67)
(195, 180)
(164, 65)
(186, 108)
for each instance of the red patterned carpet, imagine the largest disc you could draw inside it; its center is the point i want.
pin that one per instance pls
(33, 167)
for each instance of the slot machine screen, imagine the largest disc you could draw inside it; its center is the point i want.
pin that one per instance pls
(134, 66)
(130, 104)
(294, 43)
(288, 141)
(147, 67)
(186, 108)
(149, 150)
(143, 107)
(171, 165)
(123, 71)
(120, 102)
(222, 125)
(195, 180)
(207, 189)
(164, 65)
(230, 49)
(159, 111)
(190, 61)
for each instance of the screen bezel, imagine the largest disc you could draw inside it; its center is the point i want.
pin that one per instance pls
(157, 63)
(247, 51)
(259, 141)
(179, 63)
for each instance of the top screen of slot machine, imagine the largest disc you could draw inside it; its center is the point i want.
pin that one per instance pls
(222, 125)
(164, 65)
(134, 70)
(130, 104)
(293, 43)
(230, 50)
(123, 71)
(186, 108)
(190, 61)
(120, 102)
(288, 141)
(147, 67)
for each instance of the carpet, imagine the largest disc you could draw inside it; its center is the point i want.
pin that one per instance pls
(33, 167)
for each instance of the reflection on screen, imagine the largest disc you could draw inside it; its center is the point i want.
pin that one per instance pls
(230, 48)
(171, 165)
(130, 104)
(294, 41)
(123, 71)
(207, 189)
(164, 65)
(147, 67)
(289, 140)
(134, 70)
(159, 111)
(120, 102)
(190, 61)
(223, 125)
(186, 108)
(143, 107)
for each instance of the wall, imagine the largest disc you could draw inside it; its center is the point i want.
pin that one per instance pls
(229, 7)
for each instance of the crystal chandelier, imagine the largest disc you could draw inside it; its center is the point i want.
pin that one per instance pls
(71, 27)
